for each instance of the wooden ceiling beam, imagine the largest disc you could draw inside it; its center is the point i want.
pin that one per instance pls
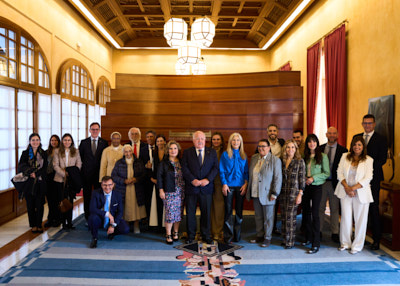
(124, 22)
(191, 6)
(234, 22)
(241, 7)
(166, 8)
(196, 15)
(147, 21)
(264, 11)
(215, 9)
(140, 4)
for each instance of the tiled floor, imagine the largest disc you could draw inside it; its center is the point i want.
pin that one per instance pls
(16, 239)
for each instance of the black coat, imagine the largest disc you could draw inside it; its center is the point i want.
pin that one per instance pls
(166, 176)
(339, 152)
(377, 148)
(91, 163)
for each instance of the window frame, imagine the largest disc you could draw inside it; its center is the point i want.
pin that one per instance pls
(101, 97)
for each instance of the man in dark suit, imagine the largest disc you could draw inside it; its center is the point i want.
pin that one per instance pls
(377, 149)
(199, 167)
(141, 151)
(106, 210)
(91, 150)
(334, 152)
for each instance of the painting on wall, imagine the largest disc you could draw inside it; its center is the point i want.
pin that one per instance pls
(383, 109)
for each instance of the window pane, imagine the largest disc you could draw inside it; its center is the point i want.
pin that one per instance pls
(23, 41)
(11, 34)
(56, 114)
(23, 73)
(11, 49)
(13, 69)
(40, 62)
(91, 114)
(3, 66)
(44, 116)
(2, 31)
(66, 116)
(40, 78)
(31, 75)
(23, 55)
(3, 46)
(30, 57)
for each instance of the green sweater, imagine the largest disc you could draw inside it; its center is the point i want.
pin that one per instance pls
(319, 172)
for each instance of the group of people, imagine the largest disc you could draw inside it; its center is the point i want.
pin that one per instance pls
(149, 184)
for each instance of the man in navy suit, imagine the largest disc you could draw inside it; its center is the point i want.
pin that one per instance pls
(199, 167)
(334, 152)
(377, 149)
(106, 210)
(91, 150)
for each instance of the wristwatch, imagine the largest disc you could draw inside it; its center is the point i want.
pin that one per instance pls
(113, 224)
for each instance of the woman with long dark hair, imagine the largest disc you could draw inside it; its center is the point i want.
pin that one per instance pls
(354, 191)
(53, 218)
(218, 204)
(66, 156)
(33, 164)
(317, 171)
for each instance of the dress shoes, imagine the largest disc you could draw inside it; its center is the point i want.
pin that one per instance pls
(313, 250)
(374, 246)
(189, 241)
(257, 240)
(343, 248)
(288, 246)
(305, 243)
(353, 251)
(335, 237)
(93, 243)
(265, 243)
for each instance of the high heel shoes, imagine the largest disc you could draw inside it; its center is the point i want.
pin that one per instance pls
(168, 239)
(175, 236)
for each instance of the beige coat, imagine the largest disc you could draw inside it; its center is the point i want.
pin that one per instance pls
(59, 164)
(108, 159)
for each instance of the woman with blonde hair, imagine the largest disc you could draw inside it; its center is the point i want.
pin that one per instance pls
(234, 174)
(293, 184)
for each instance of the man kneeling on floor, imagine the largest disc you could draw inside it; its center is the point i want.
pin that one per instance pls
(106, 211)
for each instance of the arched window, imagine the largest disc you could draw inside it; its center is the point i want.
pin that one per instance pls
(22, 62)
(74, 82)
(103, 91)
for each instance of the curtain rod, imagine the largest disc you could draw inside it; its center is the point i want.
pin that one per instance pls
(337, 26)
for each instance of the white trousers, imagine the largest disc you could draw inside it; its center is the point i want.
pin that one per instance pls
(352, 207)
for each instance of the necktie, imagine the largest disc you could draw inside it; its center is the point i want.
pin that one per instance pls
(366, 139)
(330, 157)
(200, 158)
(94, 146)
(135, 150)
(106, 209)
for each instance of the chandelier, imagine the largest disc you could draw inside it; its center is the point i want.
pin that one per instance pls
(189, 52)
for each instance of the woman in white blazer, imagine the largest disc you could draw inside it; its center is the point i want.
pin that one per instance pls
(354, 174)
(65, 156)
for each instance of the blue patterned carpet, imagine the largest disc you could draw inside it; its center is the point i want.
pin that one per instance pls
(145, 259)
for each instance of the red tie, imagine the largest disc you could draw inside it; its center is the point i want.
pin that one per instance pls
(135, 150)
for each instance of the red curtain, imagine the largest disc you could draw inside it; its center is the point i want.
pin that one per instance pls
(285, 67)
(336, 81)
(312, 84)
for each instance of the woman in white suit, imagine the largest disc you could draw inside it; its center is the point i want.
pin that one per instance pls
(65, 156)
(354, 191)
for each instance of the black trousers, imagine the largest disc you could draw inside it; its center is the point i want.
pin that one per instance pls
(204, 201)
(233, 225)
(374, 217)
(53, 200)
(311, 201)
(35, 205)
(89, 184)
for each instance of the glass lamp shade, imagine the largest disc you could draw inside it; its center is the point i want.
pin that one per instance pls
(175, 32)
(189, 53)
(182, 69)
(199, 68)
(203, 32)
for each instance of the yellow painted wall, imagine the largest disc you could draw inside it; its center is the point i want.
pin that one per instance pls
(163, 61)
(373, 43)
(57, 28)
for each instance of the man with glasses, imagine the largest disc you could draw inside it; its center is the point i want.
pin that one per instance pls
(106, 211)
(376, 148)
(91, 150)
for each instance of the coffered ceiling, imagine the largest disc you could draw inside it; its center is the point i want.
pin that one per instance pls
(239, 23)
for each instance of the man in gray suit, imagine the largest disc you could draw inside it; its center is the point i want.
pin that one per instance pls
(265, 181)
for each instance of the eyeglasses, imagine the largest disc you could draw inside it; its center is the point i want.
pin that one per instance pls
(262, 146)
(108, 185)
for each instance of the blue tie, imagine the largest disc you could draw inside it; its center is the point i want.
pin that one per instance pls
(200, 158)
(106, 209)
